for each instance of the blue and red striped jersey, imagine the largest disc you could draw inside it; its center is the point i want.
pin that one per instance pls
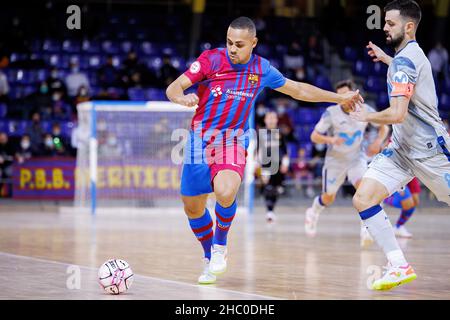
(227, 92)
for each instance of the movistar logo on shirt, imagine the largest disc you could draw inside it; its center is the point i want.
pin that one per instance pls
(350, 140)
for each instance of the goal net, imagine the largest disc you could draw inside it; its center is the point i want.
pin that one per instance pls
(130, 156)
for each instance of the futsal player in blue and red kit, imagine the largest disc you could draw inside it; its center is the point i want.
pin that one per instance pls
(230, 79)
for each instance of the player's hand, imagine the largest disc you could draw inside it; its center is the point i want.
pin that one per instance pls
(377, 54)
(359, 114)
(337, 140)
(189, 100)
(351, 99)
(284, 169)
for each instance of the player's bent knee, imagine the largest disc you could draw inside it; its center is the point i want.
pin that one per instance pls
(194, 207)
(362, 202)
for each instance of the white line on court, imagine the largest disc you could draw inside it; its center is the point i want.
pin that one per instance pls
(246, 295)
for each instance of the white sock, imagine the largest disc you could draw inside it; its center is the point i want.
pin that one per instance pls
(381, 230)
(396, 258)
(317, 207)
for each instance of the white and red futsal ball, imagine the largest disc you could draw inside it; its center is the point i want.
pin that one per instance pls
(115, 276)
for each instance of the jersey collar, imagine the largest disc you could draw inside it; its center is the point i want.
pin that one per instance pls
(411, 41)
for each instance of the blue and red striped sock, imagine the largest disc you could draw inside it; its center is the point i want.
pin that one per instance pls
(404, 216)
(203, 230)
(224, 217)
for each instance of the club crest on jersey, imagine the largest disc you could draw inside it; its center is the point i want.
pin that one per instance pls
(216, 91)
(253, 79)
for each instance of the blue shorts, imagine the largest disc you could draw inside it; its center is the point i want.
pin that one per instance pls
(396, 199)
(195, 180)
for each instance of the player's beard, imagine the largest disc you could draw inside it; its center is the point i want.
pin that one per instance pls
(396, 41)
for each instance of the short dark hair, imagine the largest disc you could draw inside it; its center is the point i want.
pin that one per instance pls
(408, 9)
(244, 23)
(346, 83)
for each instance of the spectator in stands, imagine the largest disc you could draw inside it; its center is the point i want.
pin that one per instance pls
(110, 148)
(60, 109)
(4, 87)
(6, 160)
(49, 149)
(42, 101)
(294, 61)
(438, 57)
(35, 131)
(24, 151)
(168, 73)
(284, 121)
(314, 57)
(318, 158)
(55, 84)
(302, 173)
(261, 111)
(136, 74)
(62, 144)
(108, 74)
(131, 62)
(76, 79)
(82, 96)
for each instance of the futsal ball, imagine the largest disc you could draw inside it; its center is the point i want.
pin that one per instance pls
(115, 276)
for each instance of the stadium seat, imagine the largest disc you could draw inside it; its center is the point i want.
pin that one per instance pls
(292, 150)
(361, 68)
(168, 49)
(444, 102)
(154, 94)
(380, 69)
(205, 46)
(148, 48)
(350, 54)
(42, 74)
(3, 125)
(306, 117)
(95, 61)
(90, 46)
(136, 94)
(382, 100)
(178, 62)
(51, 45)
(3, 111)
(154, 63)
(375, 84)
(66, 128)
(18, 57)
(126, 46)
(16, 128)
(110, 47)
(322, 81)
(71, 46)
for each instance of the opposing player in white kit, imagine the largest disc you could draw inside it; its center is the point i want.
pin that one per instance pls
(420, 144)
(345, 157)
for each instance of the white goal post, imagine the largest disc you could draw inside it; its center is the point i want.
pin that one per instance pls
(129, 157)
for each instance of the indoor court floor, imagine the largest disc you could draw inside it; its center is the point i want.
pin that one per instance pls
(39, 251)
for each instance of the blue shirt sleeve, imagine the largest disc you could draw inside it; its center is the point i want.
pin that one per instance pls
(273, 78)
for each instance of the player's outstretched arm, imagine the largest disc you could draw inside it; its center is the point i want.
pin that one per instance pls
(175, 92)
(377, 54)
(306, 92)
(396, 113)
